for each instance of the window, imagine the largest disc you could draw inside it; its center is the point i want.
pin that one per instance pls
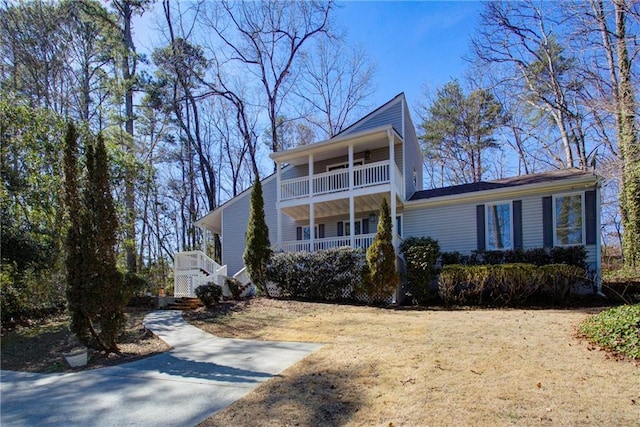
(415, 178)
(304, 233)
(568, 220)
(498, 226)
(361, 227)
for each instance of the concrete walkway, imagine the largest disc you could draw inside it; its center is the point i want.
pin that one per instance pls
(199, 376)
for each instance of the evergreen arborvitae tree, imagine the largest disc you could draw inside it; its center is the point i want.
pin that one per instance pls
(257, 248)
(109, 281)
(381, 259)
(96, 292)
(75, 244)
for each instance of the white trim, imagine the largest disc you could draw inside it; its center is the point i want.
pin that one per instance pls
(401, 223)
(581, 183)
(582, 219)
(486, 224)
(244, 193)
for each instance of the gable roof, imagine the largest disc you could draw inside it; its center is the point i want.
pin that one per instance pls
(538, 178)
(358, 124)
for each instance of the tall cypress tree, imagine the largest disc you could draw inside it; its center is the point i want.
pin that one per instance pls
(381, 259)
(95, 292)
(257, 248)
(75, 261)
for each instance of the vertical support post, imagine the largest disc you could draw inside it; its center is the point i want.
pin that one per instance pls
(392, 190)
(352, 209)
(278, 198)
(311, 207)
(205, 240)
(598, 241)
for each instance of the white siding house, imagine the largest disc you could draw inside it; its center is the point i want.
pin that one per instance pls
(328, 194)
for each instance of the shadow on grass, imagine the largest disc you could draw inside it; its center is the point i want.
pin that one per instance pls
(305, 397)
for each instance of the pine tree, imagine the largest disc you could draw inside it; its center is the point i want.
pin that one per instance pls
(381, 259)
(257, 248)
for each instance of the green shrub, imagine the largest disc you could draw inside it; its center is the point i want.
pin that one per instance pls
(30, 294)
(421, 255)
(209, 294)
(330, 275)
(616, 329)
(235, 287)
(570, 255)
(507, 284)
(556, 280)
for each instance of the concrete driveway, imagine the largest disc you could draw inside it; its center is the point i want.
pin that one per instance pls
(199, 376)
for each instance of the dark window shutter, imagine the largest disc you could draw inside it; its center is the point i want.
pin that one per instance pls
(320, 231)
(590, 222)
(365, 225)
(517, 224)
(547, 222)
(298, 233)
(340, 228)
(480, 227)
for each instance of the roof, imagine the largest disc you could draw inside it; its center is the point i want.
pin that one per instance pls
(539, 178)
(357, 122)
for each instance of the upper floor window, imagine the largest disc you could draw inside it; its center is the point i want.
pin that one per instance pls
(344, 165)
(568, 213)
(415, 178)
(499, 229)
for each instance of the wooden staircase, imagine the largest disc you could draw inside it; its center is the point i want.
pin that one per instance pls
(184, 304)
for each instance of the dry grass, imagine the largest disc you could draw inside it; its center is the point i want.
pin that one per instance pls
(404, 367)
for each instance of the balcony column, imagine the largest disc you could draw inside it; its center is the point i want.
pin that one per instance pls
(392, 191)
(311, 207)
(278, 211)
(352, 209)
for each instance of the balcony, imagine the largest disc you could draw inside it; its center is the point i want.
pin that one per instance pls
(338, 181)
(361, 241)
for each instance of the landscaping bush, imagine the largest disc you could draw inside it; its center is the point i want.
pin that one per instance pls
(329, 275)
(507, 284)
(556, 280)
(616, 330)
(570, 255)
(235, 287)
(209, 294)
(421, 255)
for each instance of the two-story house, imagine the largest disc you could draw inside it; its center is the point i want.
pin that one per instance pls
(328, 194)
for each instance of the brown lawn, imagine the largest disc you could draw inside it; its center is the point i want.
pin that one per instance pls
(434, 367)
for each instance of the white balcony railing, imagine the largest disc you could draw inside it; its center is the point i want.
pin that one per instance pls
(195, 260)
(361, 241)
(338, 180)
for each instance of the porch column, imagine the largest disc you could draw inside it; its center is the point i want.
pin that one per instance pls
(352, 209)
(312, 232)
(278, 212)
(205, 240)
(392, 191)
(311, 207)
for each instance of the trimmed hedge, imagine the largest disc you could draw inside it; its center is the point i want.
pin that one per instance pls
(506, 284)
(329, 275)
(570, 255)
(421, 255)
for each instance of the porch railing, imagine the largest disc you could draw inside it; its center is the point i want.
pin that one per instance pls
(338, 180)
(360, 241)
(195, 260)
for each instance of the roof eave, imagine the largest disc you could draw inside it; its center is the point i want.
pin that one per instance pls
(567, 184)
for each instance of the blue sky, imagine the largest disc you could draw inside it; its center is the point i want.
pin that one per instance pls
(413, 43)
